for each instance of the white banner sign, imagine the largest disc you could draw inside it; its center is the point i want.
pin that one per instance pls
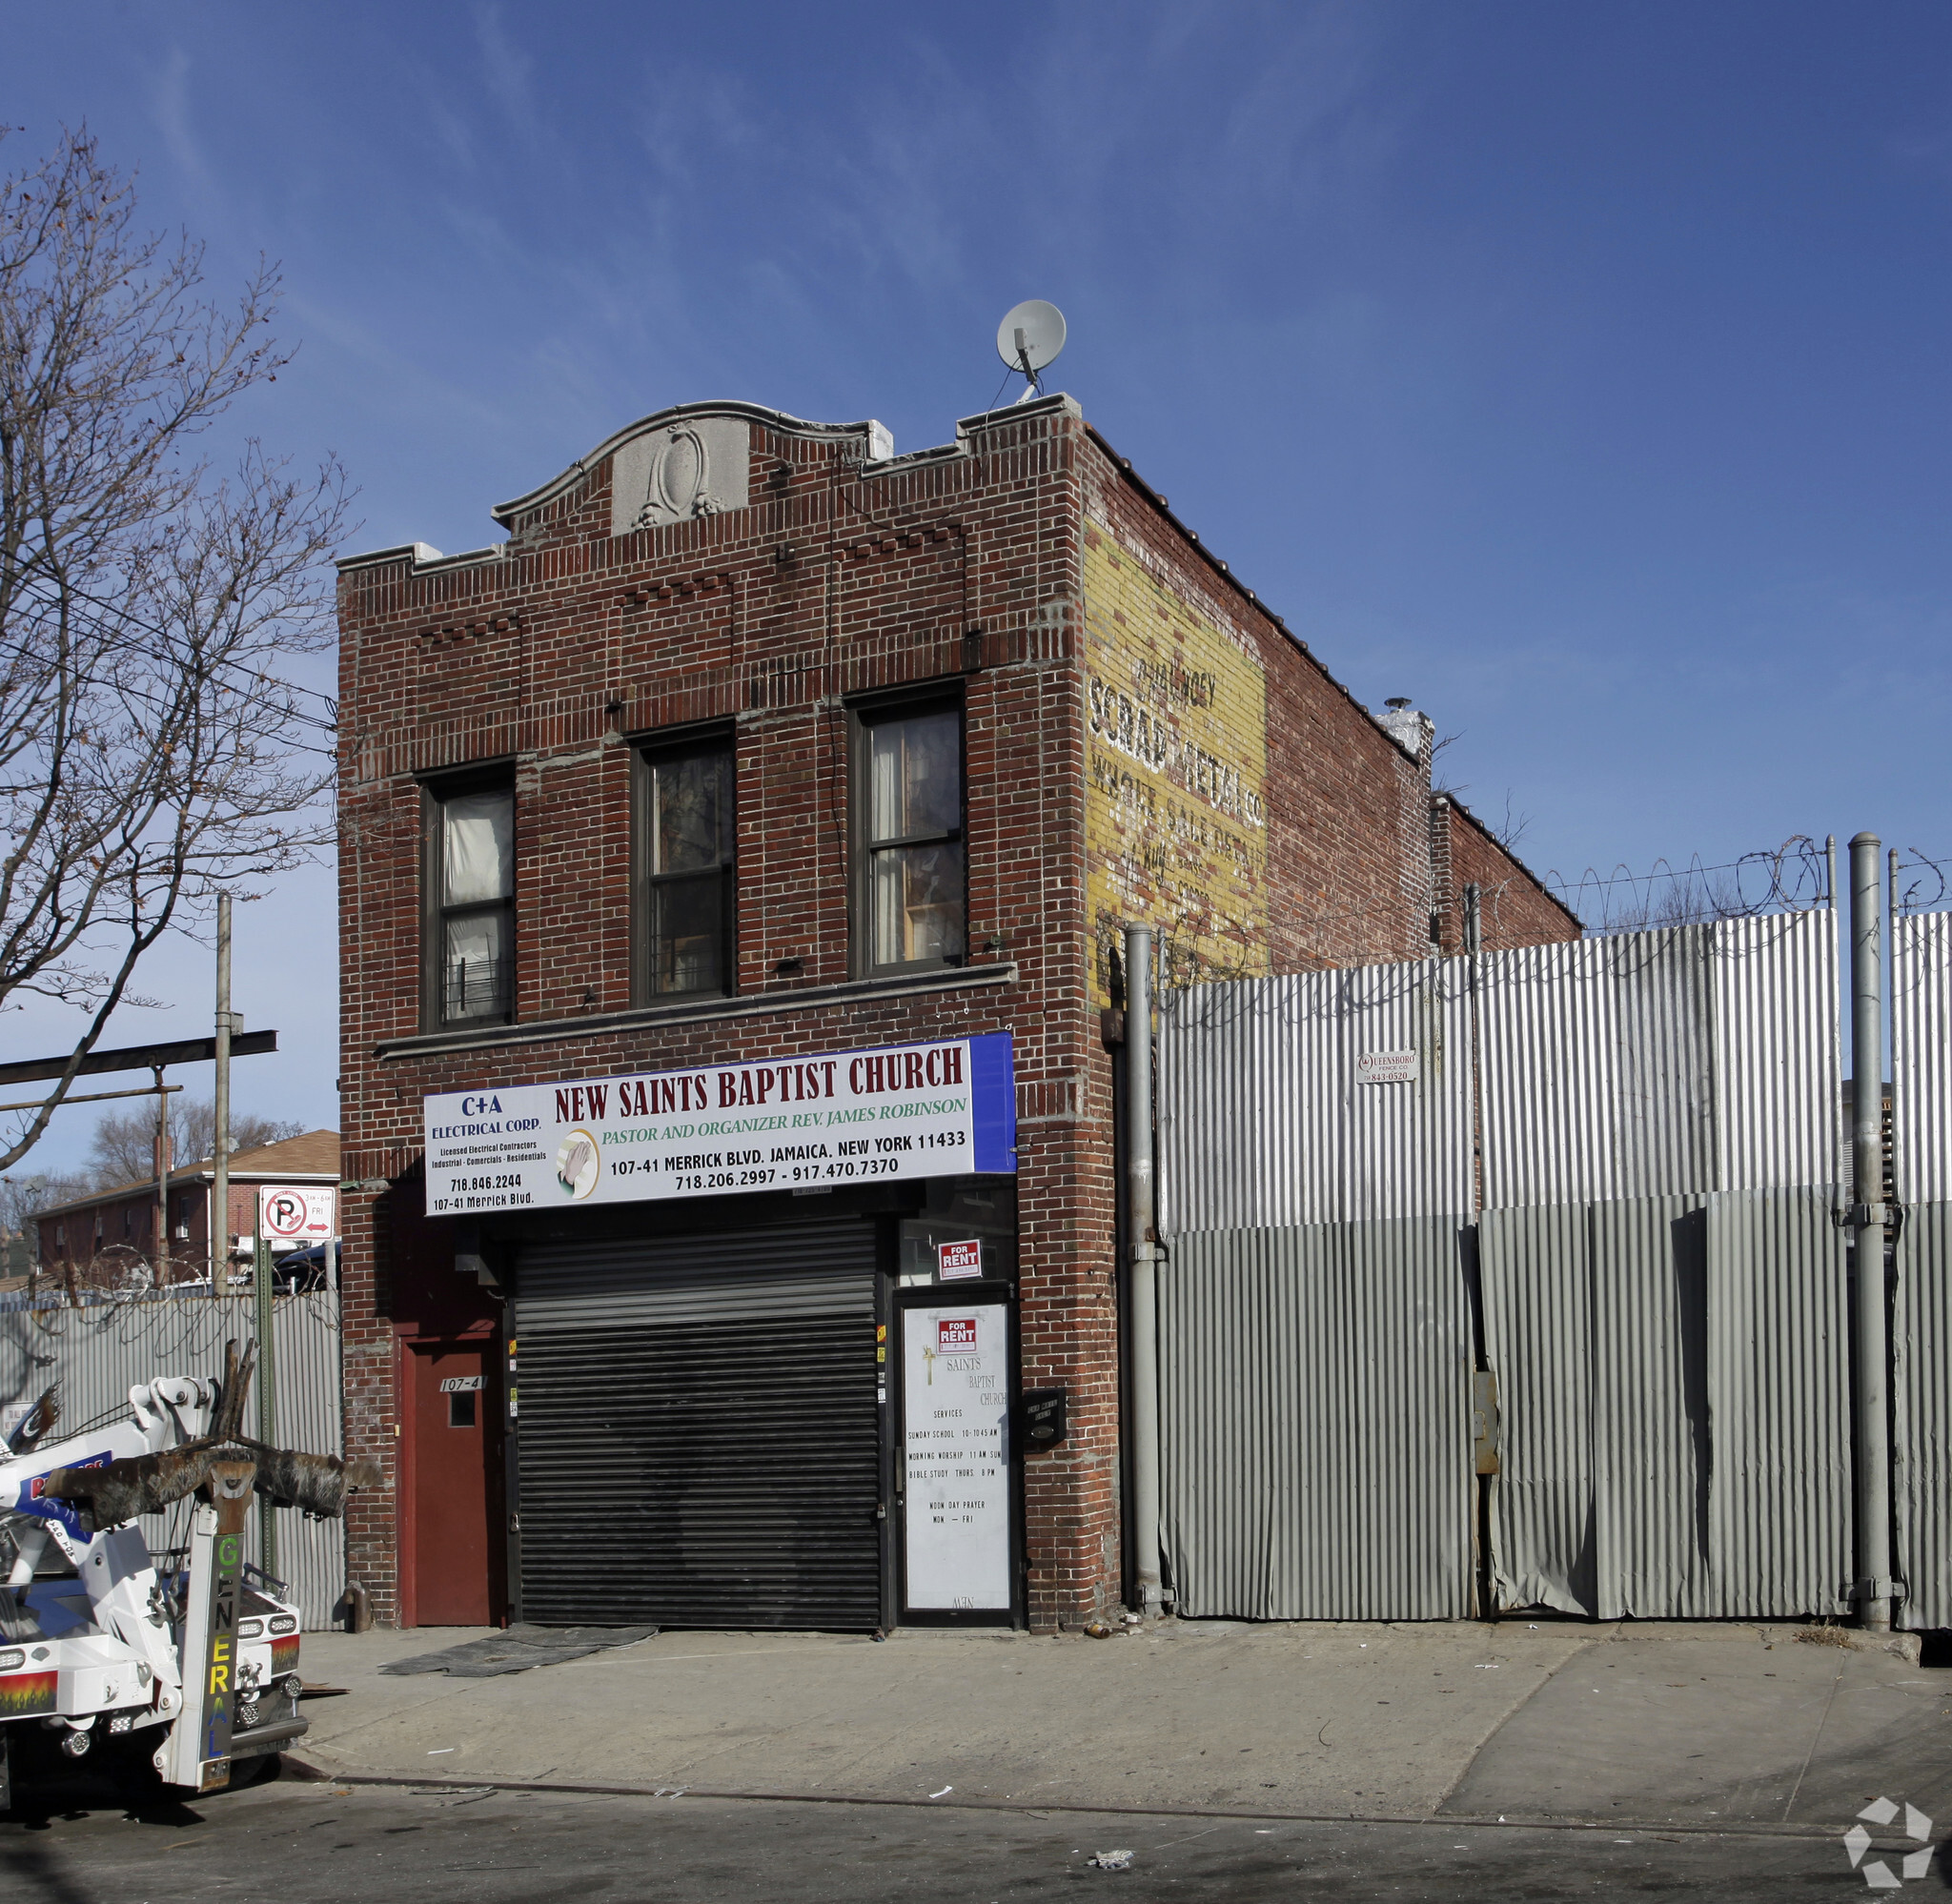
(909, 1110)
(295, 1216)
(955, 1396)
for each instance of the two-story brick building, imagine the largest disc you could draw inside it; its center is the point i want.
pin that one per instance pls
(733, 866)
(107, 1238)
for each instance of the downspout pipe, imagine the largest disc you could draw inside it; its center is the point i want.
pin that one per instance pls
(1874, 1587)
(1143, 1308)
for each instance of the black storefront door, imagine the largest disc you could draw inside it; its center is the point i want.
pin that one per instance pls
(699, 1440)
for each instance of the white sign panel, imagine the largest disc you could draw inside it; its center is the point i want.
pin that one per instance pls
(1386, 1068)
(955, 1395)
(911, 1110)
(295, 1216)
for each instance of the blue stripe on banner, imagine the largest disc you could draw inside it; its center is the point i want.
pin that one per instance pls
(993, 1093)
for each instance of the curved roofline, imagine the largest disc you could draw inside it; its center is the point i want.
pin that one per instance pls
(505, 513)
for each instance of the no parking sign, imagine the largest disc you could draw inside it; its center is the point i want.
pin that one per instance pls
(295, 1216)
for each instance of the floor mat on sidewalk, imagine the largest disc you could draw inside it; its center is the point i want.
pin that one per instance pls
(518, 1649)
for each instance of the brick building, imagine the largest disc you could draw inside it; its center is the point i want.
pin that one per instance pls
(762, 768)
(108, 1240)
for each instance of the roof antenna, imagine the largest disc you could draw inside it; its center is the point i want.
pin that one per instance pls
(1029, 338)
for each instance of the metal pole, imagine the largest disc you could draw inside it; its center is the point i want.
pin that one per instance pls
(220, 1141)
(267, 1397)
(1830, 862)
(159, 1256)
(1140, 1213)
(1874, 1586)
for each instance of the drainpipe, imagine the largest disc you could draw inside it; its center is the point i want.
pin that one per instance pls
(1140, 1215)
(1873, 1589)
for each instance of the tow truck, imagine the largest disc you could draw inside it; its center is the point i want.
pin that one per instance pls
(97, 1639)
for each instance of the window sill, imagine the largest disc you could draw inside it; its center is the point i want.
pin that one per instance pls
(748, 1004)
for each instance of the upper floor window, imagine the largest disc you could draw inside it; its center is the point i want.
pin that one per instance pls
(910, 873)
(686, 868)
(472, 910)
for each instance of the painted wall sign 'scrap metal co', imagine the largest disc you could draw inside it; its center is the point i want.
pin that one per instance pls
(911, 1110)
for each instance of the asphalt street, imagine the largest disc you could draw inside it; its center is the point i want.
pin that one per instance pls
(294, 1842)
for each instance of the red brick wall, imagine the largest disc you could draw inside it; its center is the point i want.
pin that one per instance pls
(1516, 908)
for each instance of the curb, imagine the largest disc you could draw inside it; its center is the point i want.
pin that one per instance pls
(1463, 1821)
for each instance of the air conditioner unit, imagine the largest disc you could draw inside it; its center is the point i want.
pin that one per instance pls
(243, 1242)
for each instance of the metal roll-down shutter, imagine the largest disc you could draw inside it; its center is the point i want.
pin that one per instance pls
(699, 1436)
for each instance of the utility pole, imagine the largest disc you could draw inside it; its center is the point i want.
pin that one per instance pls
(1874, 1587)
(159, 1256)
(220, 1143)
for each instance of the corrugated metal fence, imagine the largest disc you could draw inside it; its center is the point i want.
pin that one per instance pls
(1657, 1279)
(1922, 1144)
(100, 1351)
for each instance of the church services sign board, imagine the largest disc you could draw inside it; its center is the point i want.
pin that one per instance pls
(945, 1109)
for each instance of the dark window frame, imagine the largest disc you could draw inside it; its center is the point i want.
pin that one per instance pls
(435, 791)
(864, 714)
(647, 750)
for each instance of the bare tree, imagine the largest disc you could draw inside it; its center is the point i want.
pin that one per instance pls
(150, 753)
(123, 1147)
(23, 1198)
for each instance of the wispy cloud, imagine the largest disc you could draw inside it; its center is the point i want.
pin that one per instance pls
(170, 106)
(509, 73)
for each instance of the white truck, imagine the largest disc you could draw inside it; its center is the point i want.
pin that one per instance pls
(98, 1640)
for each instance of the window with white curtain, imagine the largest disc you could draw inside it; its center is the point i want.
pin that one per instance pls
(911, 874)
(474, 873)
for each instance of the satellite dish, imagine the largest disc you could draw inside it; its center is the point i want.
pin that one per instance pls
(1029, 338)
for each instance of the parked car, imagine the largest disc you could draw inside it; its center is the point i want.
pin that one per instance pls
(303, 1268)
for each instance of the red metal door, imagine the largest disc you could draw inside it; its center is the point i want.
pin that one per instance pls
(460, 1549)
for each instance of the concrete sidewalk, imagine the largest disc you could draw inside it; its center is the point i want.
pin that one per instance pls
(1705, 1726)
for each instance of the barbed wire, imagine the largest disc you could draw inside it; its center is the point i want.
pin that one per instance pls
(1792, 877)
(1923, 895)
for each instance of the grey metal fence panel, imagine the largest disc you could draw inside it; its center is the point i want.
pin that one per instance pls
(1597, 1069)
(98, 1354)
(1779, 1062)
(1923, 1446)
(1674, 1383)
(1668, 1063)
(1921, 1057)
(1315, 1423)
(1922, 1166)
(1263, 1119)
(1780, 1404)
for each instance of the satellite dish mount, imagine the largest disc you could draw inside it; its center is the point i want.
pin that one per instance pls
(1029, 338)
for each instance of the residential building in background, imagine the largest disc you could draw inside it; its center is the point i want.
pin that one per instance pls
(107, 1240)
(734, 867)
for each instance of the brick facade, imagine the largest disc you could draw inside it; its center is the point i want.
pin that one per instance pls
(829, 577)
(1515, 907)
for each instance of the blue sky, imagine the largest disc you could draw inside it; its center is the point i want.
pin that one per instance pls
(1579, 372)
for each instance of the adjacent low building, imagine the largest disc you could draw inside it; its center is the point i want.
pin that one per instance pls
(734, 867)
(108, 1240)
